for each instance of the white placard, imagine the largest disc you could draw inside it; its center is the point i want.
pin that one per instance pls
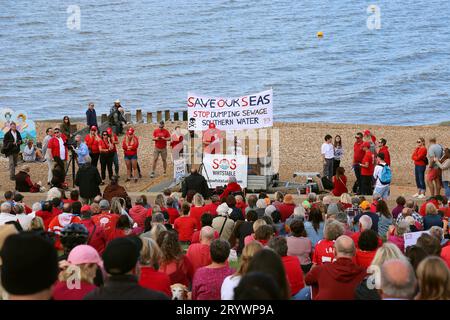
(179, 169)
(247, 112)
(411, 237)
(217, 168)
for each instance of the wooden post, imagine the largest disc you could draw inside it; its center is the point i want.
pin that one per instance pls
(166, 115)
(104, 118)
(128, 117)
(176, 116)
(139, 116)
(158, 116)
(149, 117)
(185, 116)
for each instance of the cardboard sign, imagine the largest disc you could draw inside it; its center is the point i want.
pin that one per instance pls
(253, 111)
(217, 168)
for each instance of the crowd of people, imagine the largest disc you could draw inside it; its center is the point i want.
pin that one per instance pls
(226, 247)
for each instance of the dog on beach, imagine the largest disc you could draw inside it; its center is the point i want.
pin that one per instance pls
(179, 292)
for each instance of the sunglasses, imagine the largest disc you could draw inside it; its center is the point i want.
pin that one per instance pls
(105, 134)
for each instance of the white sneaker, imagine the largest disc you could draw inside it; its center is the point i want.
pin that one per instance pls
(421, 196)
(416, 195)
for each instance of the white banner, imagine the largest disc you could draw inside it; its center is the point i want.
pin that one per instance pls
(179, 169)
(247, 112)
(218, 167)
(412, 237)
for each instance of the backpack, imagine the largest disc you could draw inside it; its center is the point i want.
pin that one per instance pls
(386, 175)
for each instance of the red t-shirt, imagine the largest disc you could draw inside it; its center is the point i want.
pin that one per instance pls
(92, 144)
(155, 280)
(179, 271)
(199, 255)
(196, 213)
(340, 186)
(46, 216)
(419, 155)
(358, 152)
(173, 214)
(387, 157)
(323, 252)
(161, 133)
(364, 258)
(294, 273)
(133, 144)
(62, 292)
(212, 208)
(368, 157)
(107, 221)
(185, 225)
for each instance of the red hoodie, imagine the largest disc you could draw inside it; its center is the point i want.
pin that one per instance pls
(231, 187)
(387, 157)
(337, 280)
(294, 273)
(419, 155)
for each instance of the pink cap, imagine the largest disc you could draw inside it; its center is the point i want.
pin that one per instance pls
(84, 254)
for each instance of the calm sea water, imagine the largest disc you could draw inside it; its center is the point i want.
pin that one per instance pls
(151, 53)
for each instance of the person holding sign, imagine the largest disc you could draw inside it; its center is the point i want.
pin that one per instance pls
(160, 136)
(177, 144)
(212, 139)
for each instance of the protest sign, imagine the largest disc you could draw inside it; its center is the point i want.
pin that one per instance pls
(252, 111)
(411, 238)
(217, 168)
(179, 169)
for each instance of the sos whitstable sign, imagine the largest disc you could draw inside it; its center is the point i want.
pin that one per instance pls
(217, 168)
(247, 112)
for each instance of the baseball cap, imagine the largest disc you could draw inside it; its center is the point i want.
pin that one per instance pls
(86, 207)
(93, 128)
(212, 125)
(130, 131)
(109, 131)
(84, 254)
(120, 256)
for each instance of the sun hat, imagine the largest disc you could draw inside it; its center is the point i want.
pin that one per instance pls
(117, 101)
(84, 254)
(223, 209)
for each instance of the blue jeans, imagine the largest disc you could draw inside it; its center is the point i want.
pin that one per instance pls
(116, 163)
(383, 191)
(447, 188)
(419, 172)
(304, 294)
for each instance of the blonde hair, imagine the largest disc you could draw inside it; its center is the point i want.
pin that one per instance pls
(150, 253)
(85, 272)
(160, 201)
(247, 254)
(387, 251)
(345, 198)
(433, 277)
(258, 223)
(116, 205)
(37, 223)
(156, 230)
(430, 209)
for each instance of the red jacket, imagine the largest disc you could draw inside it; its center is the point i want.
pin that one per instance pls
(337, 280)
(47, 217)
(185, 225)
(286, 210)
(53, 145)
(387, 157)
(419, 155)
(134, 145)
(92, 144)
(154, 280)
(138, 213)
(97, 236)
(294, 273)
(339, 186)
(231, 187)
(358, 152)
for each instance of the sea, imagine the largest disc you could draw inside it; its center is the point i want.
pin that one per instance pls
(378, 62)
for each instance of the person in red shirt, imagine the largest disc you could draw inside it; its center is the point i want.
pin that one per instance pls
(106, 147)
(173, 262)
(384, 150)
(365, 223)
(171, 210)
(231, 188)
(367, 169)
(212, 207)
(104, 219)
(338, 280)
(46, 214)
(160, 136)
(368, 245)
(138, 213)
(149, 275)
(291, 264)
(423, 207)
(419, 157)
(185, 225)
(130, 145)
(58, 148)
(92, 140)
(324, 249)
(199, 253)
(97, 236)
(197, 209)
(212, 139)
(358, 155)
(339, 182)
(286, 208)
(115, 142)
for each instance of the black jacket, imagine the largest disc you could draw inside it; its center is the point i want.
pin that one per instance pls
(197, 183)
(124, 287)
(91, 118)
(9, 147)
(88, 180)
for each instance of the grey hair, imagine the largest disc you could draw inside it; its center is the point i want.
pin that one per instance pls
(53, 193)
(5, 207)
(333, 229)
(312, 197)
(299, 211)
(437, 232)
(261, 204)
(392, 287)
(158, 218)
(366, 222)
(36, 206)
(232, 179)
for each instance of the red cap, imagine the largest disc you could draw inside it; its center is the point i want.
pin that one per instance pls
(212, 125)
(109, 131)
(94, 128)
(85, 208)
(366, 145)
(130, 131)
(367, 133)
